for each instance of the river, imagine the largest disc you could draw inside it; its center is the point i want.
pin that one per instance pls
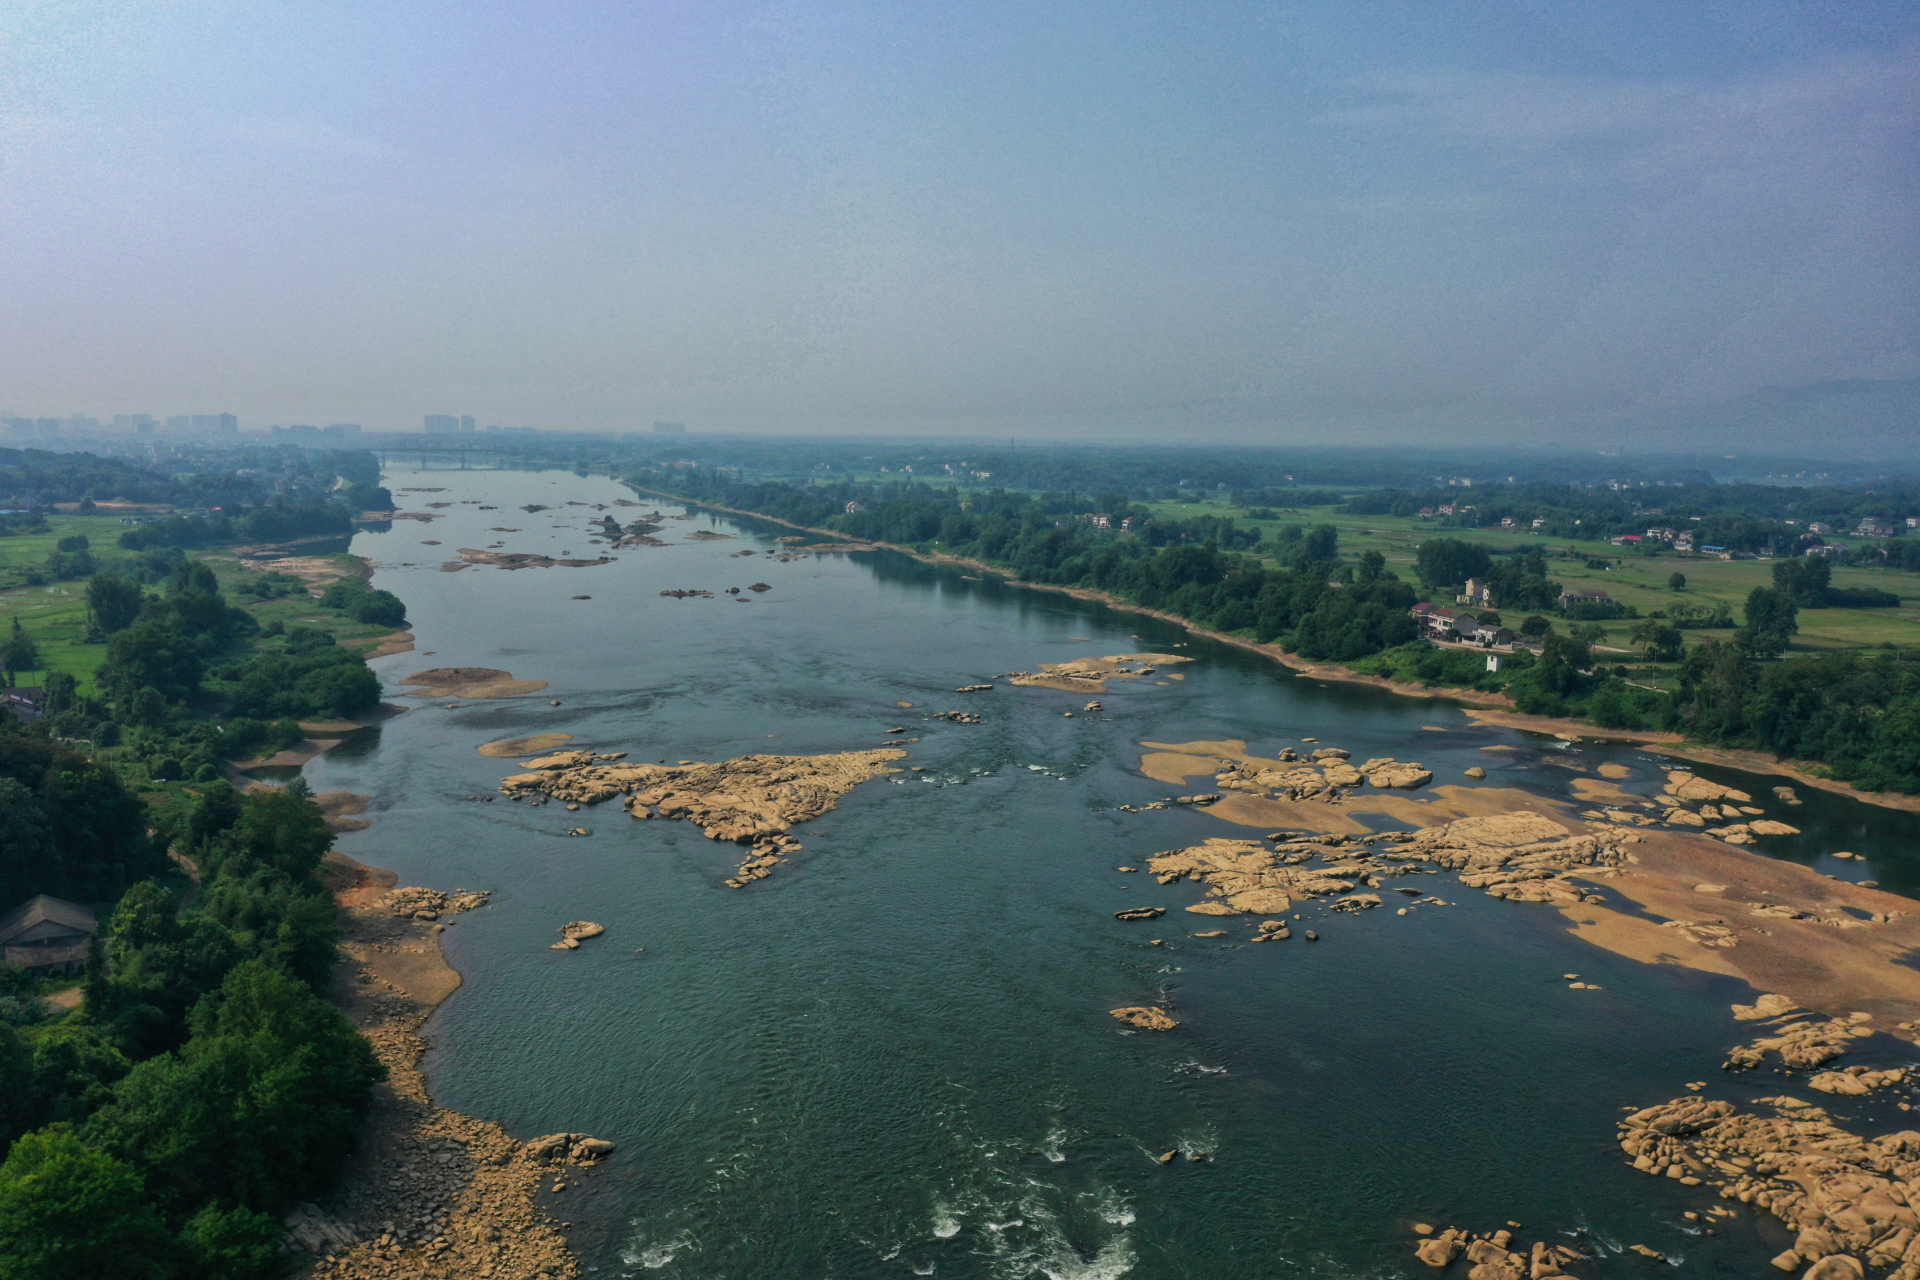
(894, 1056)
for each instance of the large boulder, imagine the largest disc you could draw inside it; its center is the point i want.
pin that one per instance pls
(1145, 1019)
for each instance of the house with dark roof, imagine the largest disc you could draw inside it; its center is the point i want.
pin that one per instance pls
(45, 932)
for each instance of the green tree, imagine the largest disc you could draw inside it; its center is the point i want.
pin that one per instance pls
(68, 1211)
(258, 1109)
(1563, 659)
(1535, 625)
(1660, 640)
(21, 653)
(1443, 562)
(112, 602)
(1804, 580)
(1676, 582)
(1771, 623)
(230, 1244)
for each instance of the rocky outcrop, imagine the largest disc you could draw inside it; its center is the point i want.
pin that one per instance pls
(431, 904)
(574, 932)
(1388, 772)
(1145, 1019)
(1493, 1256)
(767, 853)
(1849, 1197)
(1089, 675)
(577, 1148)
(1522, 857)
(1802, 1046)
(744, 800)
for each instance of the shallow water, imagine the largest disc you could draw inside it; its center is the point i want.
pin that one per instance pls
(894, 1056)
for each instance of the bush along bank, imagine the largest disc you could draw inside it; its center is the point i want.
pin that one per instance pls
(1855, 716)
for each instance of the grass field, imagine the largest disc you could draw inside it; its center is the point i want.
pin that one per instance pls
(55, 614)
(1631, 577)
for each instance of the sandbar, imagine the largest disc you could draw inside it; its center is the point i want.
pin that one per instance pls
(510, 747)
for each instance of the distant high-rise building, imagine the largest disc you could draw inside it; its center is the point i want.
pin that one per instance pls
(123, 422)
(19, 425)
(179, 422)
(343, 429)
(204, 421)
(466, 422)
(669, 428)
(442, 424)
(226, 424)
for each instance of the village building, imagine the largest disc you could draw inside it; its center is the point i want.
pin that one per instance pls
(1477, 592)
(1583, 595)
(48, 933)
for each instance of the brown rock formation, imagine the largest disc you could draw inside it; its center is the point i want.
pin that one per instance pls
(748, 799)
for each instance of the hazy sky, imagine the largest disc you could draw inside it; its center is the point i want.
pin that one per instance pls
(946, 216)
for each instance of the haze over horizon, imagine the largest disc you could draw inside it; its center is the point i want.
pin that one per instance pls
(1248, 223)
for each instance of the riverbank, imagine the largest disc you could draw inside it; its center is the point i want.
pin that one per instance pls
(1484, 707)
(431, 1192)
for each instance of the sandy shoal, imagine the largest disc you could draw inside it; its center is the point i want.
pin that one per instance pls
(471, 683)
(342, 810)
(532, 744)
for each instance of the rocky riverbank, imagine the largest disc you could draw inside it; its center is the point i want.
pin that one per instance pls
(431, 1193)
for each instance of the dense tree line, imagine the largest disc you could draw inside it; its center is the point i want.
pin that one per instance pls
(1195, 568)
(203, 1086)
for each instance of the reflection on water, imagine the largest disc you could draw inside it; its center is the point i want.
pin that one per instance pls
(895, 1057)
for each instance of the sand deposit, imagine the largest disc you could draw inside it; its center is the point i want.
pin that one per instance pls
(507, 748)
(470, 682)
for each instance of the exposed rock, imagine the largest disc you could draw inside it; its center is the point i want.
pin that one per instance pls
(580, 930)
(577, 1148)
(1767, 1006)
(1396, 773)
(1687, 786)
(1145, 1019)
(1140, 913)
(1442, 1249)
(1357, 902)
(311, 1230)
(1802, 1046)
(414, 901)
(1089, 675)
(1856, 1081)
(1476, 772)
(740, 800)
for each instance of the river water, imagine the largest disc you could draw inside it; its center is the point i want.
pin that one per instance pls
(894, 1056)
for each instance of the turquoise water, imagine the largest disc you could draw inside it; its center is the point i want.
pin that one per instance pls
(894, 1057)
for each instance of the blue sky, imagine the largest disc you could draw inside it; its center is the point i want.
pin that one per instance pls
(1236, 220)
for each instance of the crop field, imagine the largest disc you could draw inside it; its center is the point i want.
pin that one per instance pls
(1631, 577)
